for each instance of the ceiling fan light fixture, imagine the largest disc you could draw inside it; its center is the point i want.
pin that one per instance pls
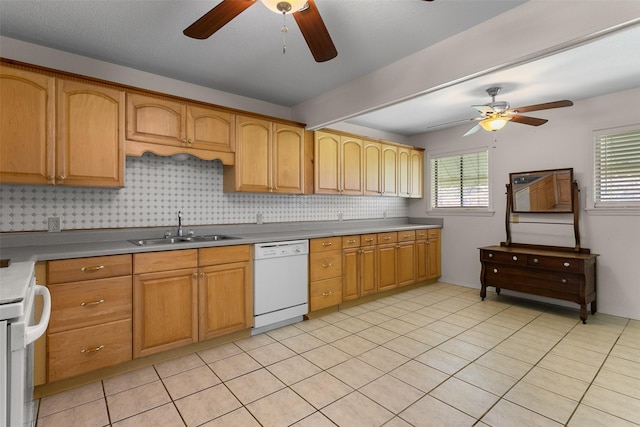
(284, 7)
(494, 123)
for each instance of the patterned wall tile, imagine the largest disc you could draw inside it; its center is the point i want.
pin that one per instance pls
(158, 187)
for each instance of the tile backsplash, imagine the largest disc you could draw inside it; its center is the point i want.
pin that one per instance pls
(158, 187)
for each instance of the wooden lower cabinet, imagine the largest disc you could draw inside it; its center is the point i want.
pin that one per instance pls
(358, 266)
(325, 272)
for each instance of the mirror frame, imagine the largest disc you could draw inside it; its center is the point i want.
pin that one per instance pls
(520, 181)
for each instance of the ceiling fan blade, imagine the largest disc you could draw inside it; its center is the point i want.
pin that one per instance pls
(473, 130)
(484, 109)
(532, 121)
(545, 106)
(315, 33)
(217, 18)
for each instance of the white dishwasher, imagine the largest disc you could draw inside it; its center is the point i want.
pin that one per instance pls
(280, 280)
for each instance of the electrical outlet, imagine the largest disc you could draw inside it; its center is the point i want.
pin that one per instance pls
(259, 218)
(340, 216)
(53, 224)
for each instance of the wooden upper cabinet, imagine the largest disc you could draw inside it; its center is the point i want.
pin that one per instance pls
(270, 158)
(90, 135)
(372, 168)
(60, 131)
(404, 172)
(416, 174)
(338, 164)
(156, 120)
(27, 126)
(210, 129)
(389, 170)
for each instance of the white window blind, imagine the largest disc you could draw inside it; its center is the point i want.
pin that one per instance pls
(617, 169)
(460, 181)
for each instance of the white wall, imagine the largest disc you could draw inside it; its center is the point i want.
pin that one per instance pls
(565, 141)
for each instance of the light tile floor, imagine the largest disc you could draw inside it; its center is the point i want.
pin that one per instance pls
(433, 356)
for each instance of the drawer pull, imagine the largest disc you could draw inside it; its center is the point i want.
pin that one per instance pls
(387, 238)
(566, 264)
(536, 261)
(564, 281)
(326, 294)
(327, 243)
(350, 242)
(406, 236)
(93, 268)
(92, 350)
(368, 240)
(88, 304)
(490, 255)
(327, 265)
(495, 270)
(515, 258)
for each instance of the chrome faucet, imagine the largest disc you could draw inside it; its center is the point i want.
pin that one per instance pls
(180, 232)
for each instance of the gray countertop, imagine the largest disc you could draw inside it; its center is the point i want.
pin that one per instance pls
(40, 246)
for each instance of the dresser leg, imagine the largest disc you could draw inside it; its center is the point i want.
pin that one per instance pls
(583, 313)
(498, 291)
(594, 307)
(483, 291)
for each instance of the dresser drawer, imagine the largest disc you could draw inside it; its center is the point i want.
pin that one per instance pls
(84, 350)
(406, 236)
(73, 270)
(503, 257)
(351, 241)
(325, 265)
(391, 237)
(325, 293)
(80, 304)
(325, 244)
(511, 278)
(556, 263)
(368, 239)
(166, 260)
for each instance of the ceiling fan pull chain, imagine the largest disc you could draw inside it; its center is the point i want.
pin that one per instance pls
(284, 30)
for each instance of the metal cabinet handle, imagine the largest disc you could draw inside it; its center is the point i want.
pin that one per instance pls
(195, 275)
(350, 242)
(490, 255)
(387, 238)
(88, 304)
(368, 240)
(92, 350)
(566, 264)
(93, 268)
(536, 260)
(327, 243)
(564, 280)
(61, 177)
(326, 294)
(326, 265)
(495, 270)
(515, 258)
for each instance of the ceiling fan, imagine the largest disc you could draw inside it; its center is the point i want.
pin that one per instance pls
(495, 115)
(305, 13)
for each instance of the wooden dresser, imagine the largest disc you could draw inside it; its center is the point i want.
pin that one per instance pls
(546, 271)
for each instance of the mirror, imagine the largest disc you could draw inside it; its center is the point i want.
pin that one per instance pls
(546, 191)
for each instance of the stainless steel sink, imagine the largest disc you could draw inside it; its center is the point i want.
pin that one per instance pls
(184, 239)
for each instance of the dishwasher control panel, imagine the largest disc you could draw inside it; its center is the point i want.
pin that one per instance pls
(281, 249)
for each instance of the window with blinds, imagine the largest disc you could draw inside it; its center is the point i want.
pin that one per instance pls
(617, 169)
(460, 181)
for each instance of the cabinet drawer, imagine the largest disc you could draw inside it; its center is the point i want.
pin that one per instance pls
(433, 233)
(422, 234)
(73, 270)
(80, 304)
(325, 265)
(351, 241)
(503, 257)
(323, 245)
(406, 236)
(515, 278)
(163, 261)
(325, 293)
(368, 239)
(224, 255)
(556, 263)
(391, 237)
(104, 345)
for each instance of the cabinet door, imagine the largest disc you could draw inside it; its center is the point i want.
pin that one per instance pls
(421, 260)
(433, 255)
(404, 172)
(372, 168)
(210, 129)
(351, 168)
(165, 311)
(386, 267)
(27, 127)
(253, 155)
(288, 159)
(368, 283)
(326, 163)
(417, 174)
(389, 170)
(225, 299)
(406, 263)
(90, 135)
(350, 274)
(156, 120)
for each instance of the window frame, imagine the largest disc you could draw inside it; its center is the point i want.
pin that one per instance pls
(607, 208)
(471, 211)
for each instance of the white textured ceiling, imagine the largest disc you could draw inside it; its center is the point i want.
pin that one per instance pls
(245, 57)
